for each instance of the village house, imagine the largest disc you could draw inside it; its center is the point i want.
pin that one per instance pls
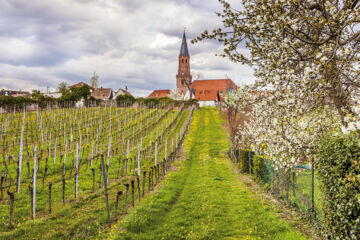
(159, 93)
(53, 94)
(121, 92)
(81, 84)
(14, 93)
(103, 94)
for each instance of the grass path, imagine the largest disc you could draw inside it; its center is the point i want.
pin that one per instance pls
(204, 199)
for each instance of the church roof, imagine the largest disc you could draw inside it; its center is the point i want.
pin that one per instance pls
(184, 49)
(159, 93)
(211, 90)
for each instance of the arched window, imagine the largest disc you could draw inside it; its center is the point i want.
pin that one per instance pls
(185, 60)
(182, 60)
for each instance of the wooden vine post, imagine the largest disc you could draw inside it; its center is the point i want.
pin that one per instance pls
(139, 171)
(34, 185)
(118, 194)
(126, 194)
(50, 185)
(93, 174)
(21, 153)
(132, 192)
(12, 198)
(144, 179)
(77, 170)
(105, 190)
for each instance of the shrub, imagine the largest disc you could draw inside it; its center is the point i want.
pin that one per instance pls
(262, 169)
(244, 160)
(339, 171)
(259, 168)
(125, 100)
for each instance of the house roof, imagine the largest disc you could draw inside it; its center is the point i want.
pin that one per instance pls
(102, 93)
(123, 92)
(80, 84)
(211, 90)
(184, 49)
(159, 93)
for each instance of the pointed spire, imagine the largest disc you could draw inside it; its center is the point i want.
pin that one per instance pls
(184, 49)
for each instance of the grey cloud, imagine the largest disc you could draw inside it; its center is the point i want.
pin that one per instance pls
(116, 38)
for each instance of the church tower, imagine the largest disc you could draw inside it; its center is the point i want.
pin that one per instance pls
(183, 78)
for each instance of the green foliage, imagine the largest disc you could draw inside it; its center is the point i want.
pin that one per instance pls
(125, 100)
(262, 169)
(11, 101)
(62, 88)
(149, 102)
(42, 100)
(76, 94)
(244, 160)
(259, 168)
(339, 172)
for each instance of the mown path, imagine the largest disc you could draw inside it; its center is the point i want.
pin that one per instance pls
(204, 199)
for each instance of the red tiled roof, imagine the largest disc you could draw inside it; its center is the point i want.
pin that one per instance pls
(102, 93)
(80, 84)
(209, 90)
(159, 93)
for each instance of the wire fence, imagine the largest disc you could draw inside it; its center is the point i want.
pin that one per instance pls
(298, 186)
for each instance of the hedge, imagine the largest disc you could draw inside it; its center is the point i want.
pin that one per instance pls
(339, 172)
(244, 160)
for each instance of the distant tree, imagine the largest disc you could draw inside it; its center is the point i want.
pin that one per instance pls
(76, 94)
(42, 100)
(62, 87)
(36, 95)
(123, 100)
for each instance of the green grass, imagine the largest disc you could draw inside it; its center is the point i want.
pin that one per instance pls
(204, 199)
(303, 183)
(80, 219)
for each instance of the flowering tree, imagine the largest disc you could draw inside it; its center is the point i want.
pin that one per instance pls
(278, 121)
(309, 48)
(237, 106)
(175, 94)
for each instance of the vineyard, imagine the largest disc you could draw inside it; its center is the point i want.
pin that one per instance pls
(83, 164)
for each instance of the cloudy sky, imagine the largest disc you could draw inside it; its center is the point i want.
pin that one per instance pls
(127, 42)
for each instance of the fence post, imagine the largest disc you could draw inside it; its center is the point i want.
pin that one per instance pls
(312, 183)
(249, 161)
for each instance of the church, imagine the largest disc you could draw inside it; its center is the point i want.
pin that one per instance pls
(208, 92)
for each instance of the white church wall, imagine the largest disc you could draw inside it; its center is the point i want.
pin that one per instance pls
(207, 104)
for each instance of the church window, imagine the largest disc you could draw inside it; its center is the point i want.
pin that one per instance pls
(185, 60)
(182, 60)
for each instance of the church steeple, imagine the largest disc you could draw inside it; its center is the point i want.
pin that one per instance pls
(183, 78)
(184, 49)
